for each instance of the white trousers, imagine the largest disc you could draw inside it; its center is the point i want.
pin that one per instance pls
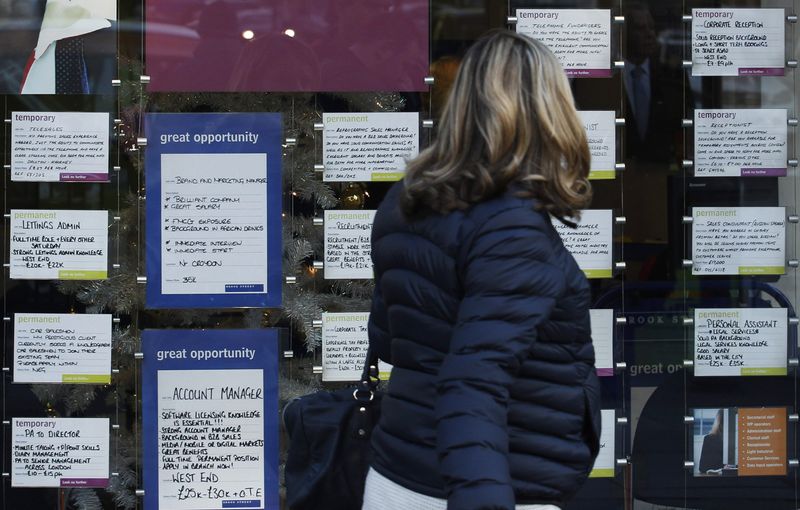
(381, 493)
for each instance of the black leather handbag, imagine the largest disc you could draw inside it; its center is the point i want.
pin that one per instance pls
(329, 444)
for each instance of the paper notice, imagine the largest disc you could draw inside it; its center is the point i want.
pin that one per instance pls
(59, 146)
(740, 341)
(344, 347)
(734, 143)
(214, 239)
(601, 133)
(62, 348)
(580, 38)
(605, 462)
(590, 243)
(58, 244)
(59, 452)
(738, 240)
(347, 244)
(602, 320)
(210, 439)
(368, 146)
(738, 42)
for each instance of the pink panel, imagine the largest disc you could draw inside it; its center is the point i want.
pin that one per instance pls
(243, 46)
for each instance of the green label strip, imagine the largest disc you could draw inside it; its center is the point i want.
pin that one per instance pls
(602, 473)
(86, 378)
(387, 176)
(602, 175)
(598, 273)
(764, 371)
(71, 274)
(762, 270)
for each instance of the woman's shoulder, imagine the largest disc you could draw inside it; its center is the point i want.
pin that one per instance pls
(504, 211)
(508, 211)
(389, 215)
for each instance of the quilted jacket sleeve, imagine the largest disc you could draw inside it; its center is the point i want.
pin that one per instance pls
(378, 326)
(509, 289)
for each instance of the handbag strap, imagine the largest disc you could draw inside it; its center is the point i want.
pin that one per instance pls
(370, 376)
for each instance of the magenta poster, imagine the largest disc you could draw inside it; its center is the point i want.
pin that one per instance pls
(287, 45)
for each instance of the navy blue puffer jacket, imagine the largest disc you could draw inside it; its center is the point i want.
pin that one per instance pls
(493, 399)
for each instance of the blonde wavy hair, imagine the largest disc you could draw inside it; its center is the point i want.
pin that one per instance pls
(510, 120)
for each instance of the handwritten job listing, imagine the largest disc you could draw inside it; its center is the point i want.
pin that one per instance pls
(738, 42)
(60, 452)
(59, 244)
(210, 419)
(344, 347)
(740, 341)
(62, 348)
(590, 243)
(347, 244)
(740, 143)
(368, 146)
(601, 133)
(211, 438)
(59, 146)
(579, 38)
(738, 240)
(214, 238)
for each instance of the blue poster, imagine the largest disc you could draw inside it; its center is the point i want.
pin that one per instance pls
(213, 183)
(210, 419)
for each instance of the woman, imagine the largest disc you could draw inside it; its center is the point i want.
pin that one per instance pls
(493, 400)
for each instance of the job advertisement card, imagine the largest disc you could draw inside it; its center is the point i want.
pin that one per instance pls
(348, 249)
(344, 347)
(601, 133)
(210, 426)
(590, 243)
(580, 38)
(200, 457)
(368, 146)
(740, 341)
(62, 348)
(59, 245)
(59, 146)
(740, 441)
(740, 143)
(738, 240)
(605, 462)
(59, 452)
(738, 42)
(602, 321)
(214, 210)
(214, 237)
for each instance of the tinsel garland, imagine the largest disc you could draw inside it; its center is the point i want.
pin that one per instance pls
(123, 486)
(83, 499)
(71, 400)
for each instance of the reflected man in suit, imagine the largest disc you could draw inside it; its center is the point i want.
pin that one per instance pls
(648, 92)
(653, 88)
(653, 92)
